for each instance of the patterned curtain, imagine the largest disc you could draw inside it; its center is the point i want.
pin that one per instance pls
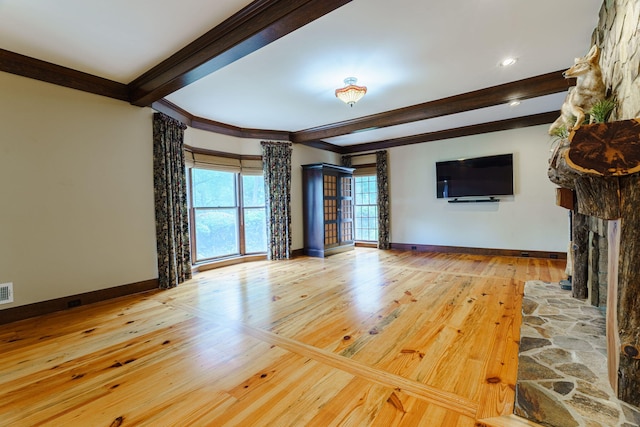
(383, 199)
(276, 158)
(346, 161)
(172, 227)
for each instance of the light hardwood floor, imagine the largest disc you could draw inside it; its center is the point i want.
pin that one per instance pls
(363, 338)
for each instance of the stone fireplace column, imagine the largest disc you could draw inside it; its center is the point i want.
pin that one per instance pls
(602, 164)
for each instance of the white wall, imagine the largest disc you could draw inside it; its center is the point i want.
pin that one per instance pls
(76, 191)
(529, 220)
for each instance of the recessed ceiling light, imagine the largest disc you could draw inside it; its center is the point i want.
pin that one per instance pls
(508, 61)
(514, 103)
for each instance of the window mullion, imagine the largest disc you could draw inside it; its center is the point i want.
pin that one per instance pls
(240, 213)
(192, 216)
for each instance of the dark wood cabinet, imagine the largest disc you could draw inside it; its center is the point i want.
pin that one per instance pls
(328, 209)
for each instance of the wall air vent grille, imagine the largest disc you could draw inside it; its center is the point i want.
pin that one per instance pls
(6, 293)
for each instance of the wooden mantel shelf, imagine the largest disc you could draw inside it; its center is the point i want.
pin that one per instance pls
(606, 149)
(600, 155)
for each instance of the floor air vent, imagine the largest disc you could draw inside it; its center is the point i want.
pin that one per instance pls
(6, 293)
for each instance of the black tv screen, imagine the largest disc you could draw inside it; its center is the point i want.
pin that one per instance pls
(480, 176)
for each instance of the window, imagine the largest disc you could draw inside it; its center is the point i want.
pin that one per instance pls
(227, 214)
(366, 208)
(254, 213)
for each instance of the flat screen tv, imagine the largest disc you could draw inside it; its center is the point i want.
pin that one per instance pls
(479, 176)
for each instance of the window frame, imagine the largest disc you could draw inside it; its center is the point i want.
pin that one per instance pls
(239, 202)
(357, 218)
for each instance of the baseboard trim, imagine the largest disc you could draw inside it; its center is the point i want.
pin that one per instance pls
(239, 260)
(478, 251)
(22, 312)
(366, 245)
(227, 262)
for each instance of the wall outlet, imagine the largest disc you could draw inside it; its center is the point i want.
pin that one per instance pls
(73, 303)
(6, 293)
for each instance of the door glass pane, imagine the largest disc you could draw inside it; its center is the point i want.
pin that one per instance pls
(216, 233)
(216, 214)
(255, 221)
(366, 208)
(255, 230)
(253, 191)
(213, 188)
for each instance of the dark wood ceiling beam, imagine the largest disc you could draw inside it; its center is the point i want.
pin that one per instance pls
(254, 27)
(541, 85)
(37, 69)
(322, 145)
(500, 125)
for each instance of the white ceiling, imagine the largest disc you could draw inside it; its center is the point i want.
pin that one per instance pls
(406, 52)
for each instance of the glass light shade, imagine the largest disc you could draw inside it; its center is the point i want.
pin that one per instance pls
(350, 94)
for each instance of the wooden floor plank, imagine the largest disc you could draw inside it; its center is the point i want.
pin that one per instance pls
(366, 337)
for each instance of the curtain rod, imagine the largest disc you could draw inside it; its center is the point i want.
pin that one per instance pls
(360, 154)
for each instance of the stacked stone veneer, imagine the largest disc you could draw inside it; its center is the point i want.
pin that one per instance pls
(562, 370)
(618, 35)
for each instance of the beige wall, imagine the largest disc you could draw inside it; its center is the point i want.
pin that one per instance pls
(223, 143)
(301, 155)
(76, 191)
(76, 185)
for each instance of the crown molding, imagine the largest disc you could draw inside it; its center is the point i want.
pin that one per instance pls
(172, 110)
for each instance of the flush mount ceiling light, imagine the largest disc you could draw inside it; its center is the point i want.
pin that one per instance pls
(350, 93)
(508, 61)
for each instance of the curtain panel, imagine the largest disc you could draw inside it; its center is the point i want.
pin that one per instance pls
(276, 158)
(382, 176)
(365, 166)
(170, 190)
(346, 161)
